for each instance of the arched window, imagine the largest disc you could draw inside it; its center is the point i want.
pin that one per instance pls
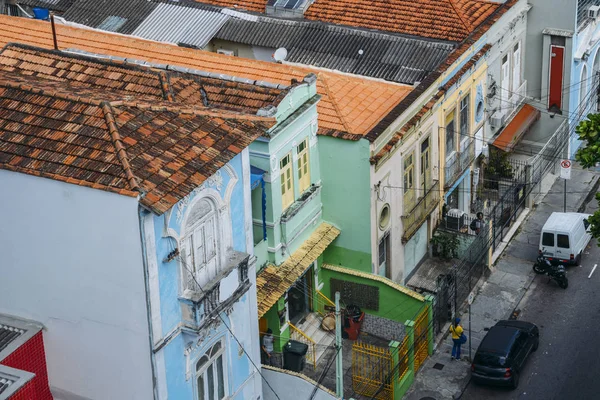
(210, 374)
(200, 246)
(583, 84)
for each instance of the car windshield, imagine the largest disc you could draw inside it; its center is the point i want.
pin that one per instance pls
(490, 359)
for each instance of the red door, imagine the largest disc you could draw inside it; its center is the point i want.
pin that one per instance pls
(557, 55)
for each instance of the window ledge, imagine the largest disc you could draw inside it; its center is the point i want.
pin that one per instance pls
(234, 260)
(304, 199)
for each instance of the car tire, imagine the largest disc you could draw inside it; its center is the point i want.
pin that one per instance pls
(515, 381)
(578, 259)
(536, 344)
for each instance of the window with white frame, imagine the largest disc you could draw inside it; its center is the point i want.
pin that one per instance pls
(303, 166)
(505, 84)
(200, 247)
(516, 81)
(211, 374)
(583, 91)
(450, 134)
(287, 181)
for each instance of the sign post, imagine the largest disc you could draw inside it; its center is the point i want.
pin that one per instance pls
(565, 173)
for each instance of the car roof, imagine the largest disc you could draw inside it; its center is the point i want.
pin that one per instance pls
(523, 325)
(499, 339)
(563, 222)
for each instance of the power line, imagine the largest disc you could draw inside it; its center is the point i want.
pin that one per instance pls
(184, 264)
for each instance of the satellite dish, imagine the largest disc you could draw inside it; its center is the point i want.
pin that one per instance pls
(280, 54)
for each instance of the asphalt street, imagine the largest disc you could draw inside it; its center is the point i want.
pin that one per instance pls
(567, 363)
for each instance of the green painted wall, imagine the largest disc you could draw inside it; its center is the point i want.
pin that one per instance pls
(393, 304)
(346, 200)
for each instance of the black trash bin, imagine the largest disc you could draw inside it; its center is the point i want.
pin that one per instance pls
(294, 355)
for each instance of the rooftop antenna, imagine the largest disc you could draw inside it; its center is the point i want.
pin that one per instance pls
(53, 30)
(280, 54)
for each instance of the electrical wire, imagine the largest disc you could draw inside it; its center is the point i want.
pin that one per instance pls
(184, 264)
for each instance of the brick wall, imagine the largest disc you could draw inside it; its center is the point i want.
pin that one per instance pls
(383, 327)
(31, 357)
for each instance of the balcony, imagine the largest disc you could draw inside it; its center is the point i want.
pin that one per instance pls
(459, 163)
(516, 99)
(413, 219)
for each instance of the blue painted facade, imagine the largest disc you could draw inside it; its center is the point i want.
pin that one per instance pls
(189, 324)
(584, 70)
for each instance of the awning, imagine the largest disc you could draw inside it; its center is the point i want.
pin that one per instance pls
(256, 177)
(273, 282)
(516, 128)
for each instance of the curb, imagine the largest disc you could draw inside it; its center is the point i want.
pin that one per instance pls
(590, 195)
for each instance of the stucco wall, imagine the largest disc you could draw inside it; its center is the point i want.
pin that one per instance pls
(229, 188)
(544, 15)
(72, 260)
(346, 200)
(290, 386)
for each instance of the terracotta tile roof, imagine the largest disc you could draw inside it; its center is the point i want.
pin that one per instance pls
(162, 150)
(350, 105)
(429, 105)
(120, 79)
(249, 5)
(272, 282)
(449, 20)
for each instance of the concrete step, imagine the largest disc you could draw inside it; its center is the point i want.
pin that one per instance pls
(311, 326)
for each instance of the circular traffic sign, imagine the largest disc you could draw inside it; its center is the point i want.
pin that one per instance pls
(565, 163)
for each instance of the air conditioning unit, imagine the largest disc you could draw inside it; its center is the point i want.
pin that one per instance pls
(498, 120)
(593, 12)
(455, 219)
(226, 52)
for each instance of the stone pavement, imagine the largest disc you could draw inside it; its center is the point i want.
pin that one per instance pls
(501, 294)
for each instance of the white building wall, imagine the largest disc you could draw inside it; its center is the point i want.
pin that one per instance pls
(72, 260)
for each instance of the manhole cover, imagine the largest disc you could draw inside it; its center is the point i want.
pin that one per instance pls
(436, 366)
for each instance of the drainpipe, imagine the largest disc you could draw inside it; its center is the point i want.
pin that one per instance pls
(142, 213)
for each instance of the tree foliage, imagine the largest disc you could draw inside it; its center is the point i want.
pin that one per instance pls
(588, 156)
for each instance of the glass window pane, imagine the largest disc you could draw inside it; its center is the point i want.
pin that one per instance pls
(381, 252)
(200, 387)
(201, 363)
(220, 380)
(562, 241)
(548, 239)
(210, 380)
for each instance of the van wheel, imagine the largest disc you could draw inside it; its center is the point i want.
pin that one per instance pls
(578, 259)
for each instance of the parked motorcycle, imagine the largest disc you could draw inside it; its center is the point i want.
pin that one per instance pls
(556, 272)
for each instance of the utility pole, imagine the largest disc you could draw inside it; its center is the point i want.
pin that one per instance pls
(339, 373)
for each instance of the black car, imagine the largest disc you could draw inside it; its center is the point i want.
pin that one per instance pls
(503, 351)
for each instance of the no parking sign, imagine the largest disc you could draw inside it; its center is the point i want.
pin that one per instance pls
(565, 169)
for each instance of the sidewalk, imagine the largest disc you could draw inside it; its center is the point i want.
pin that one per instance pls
(440, 378)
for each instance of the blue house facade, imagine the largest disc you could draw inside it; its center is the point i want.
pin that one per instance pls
(202, 290)
(585, 67)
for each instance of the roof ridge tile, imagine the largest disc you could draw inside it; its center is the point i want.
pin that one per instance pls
(116, 138)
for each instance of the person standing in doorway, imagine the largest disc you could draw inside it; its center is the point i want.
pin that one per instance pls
(267, 347)
(456, 330)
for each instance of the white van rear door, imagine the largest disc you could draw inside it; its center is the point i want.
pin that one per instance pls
(547, 244)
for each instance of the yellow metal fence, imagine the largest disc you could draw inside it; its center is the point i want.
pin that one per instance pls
(421, 344)
(372, 367)
(297, 334)
(323, 301)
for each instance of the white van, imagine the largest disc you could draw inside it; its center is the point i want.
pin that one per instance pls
(564, 236)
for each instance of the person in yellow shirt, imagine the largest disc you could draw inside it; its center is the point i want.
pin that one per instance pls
(456, 330)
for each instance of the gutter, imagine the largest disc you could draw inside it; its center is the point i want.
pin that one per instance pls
(142, 212)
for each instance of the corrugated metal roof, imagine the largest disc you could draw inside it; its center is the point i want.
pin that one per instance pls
(390, 57)
(54, 5)
(104, 14)
(179, 24)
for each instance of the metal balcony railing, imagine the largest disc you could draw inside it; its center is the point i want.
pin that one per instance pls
(459, 164)
(413, 219)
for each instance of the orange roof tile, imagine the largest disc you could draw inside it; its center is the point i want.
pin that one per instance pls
(439, 19)
(248, 5)
(349, 108)
(52, 129)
